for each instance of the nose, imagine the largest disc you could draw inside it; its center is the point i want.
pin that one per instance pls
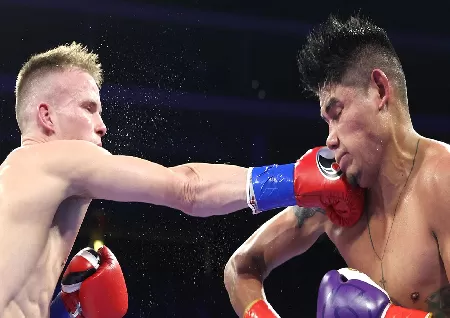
(332, 139)
(100, 128)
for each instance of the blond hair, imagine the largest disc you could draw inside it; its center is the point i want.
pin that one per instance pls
(58, 58)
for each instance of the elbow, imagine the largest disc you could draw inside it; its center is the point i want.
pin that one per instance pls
(242, 265)
(183, 192)
(229, 274)
(187, 206)
(188, 197)
(188, 183)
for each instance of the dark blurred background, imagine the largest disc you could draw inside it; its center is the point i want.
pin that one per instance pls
(211, 81)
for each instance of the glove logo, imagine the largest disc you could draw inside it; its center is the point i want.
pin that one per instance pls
(327, 164)
(83, 265)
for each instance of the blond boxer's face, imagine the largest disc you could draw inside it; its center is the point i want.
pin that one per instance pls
(78, 111)
(356, 131)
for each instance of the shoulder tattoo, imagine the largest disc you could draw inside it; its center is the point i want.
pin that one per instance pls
(304, 213)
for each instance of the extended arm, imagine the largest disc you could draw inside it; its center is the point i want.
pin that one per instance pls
(195, 188)
(203, 189)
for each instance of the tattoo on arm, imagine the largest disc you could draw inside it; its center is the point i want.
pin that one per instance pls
(304, 213)
(439, 302)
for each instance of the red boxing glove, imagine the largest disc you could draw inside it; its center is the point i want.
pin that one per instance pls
(93, 285)
(319, 182)
(400, 312)
(260, 309)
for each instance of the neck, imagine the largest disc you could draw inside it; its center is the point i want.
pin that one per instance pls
(30, 139)
(396, 166)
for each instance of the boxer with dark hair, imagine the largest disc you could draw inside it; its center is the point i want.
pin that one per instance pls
(403, 240)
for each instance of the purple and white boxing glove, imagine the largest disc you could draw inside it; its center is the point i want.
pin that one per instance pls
(351, 294)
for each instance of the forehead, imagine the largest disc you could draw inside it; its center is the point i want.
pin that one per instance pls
(77, 84)
(336, 92)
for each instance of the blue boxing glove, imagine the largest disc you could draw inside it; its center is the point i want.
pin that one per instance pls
(348, 293)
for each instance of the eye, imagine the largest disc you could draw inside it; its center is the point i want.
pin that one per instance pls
(337, 113)
(90, 107)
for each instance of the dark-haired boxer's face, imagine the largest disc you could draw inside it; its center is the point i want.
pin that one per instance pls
(78, 113)
(356, 131)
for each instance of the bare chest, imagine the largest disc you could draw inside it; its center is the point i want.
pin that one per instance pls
(401, 257)
(34, 297)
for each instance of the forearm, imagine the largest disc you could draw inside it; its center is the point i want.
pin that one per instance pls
(243, 289)
(214, 189)
(246, 291)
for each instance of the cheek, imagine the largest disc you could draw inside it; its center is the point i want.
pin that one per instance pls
(360, 139)
(353, 128)
(68, 114)
(75, 120)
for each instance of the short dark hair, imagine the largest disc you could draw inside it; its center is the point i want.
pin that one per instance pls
(346, 52)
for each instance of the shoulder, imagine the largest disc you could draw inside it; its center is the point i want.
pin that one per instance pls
(46, 151)
(59, 157)
(66, 151)
(67, 157)
(436, 164)
(72, 147)
(434, 182)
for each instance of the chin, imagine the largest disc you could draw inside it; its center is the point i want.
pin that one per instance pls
(362, 182)
(352, 179)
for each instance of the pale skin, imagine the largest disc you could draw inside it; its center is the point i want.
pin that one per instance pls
(47, 184)
(376, 135)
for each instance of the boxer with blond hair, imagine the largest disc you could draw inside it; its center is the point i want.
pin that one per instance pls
(47, 184)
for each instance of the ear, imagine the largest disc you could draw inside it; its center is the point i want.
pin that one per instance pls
(44, 119)
(383, 87)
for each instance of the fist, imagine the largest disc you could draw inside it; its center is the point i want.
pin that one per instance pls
(350, 293)
(82, 266)
(319, 182)
(93, 285)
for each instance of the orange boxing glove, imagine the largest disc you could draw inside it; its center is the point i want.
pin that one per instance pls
(260, 309)
(93, 285)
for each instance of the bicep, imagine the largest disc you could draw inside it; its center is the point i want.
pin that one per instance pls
(131, 179)
(286, 235)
